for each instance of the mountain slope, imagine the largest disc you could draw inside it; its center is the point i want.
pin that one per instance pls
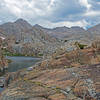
(25, 39)
(15, 28)
(95, 29)
(64, 32)
(68, 34)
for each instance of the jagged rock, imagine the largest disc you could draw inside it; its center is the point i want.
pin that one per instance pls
(56, 84)
(3, 61)
(64, 75)
(23, 38)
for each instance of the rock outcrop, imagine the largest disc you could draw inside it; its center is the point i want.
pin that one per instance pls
(3, 61)
(24, 39)
(68, 76)
(64, 75)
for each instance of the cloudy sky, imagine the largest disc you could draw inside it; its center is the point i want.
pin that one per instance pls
(52, 13)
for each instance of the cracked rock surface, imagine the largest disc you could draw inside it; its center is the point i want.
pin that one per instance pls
(81, 83)
(56, 81)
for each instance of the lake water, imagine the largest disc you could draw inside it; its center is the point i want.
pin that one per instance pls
(21, 62)
(1, 89)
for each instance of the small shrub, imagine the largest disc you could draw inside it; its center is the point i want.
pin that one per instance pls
(40, 54)
(65, 40)
(81, 46)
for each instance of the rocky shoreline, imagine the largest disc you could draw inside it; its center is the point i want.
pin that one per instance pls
(69, 70)
(57, 79)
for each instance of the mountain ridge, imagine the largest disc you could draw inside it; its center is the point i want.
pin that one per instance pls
(41, 39)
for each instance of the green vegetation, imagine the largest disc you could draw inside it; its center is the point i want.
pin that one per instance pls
(81, 46)
(65, 40)
(12, 54)
(40, 54)
(8, 53)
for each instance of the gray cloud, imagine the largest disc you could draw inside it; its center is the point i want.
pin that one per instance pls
(51, 13)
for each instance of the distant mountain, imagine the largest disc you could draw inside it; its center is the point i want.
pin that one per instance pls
(20, 26)
(22, 29)
(16, 27)
(95, 29)
(24, 38)
(65, 32)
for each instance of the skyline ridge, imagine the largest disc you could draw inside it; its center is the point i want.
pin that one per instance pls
(21, 19)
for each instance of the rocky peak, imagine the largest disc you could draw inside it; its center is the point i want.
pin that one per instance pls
(77, 28)
(16, 27)
(95, 30)
(61, 29)
(37, 25)
(23, 22)
(20, 20)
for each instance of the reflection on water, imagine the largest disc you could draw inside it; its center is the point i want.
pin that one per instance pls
(21, 62)
(1, 89)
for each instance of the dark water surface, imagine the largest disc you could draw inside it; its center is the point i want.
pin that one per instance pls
(1, 89)
(21, 62)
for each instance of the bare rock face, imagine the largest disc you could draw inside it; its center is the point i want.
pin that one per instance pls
(71, 75)
(20, 35)
(96, 44)
(55, 79)
(15, 28)
(3, 61)
(95, 30)
(57, 84)
(23, 38)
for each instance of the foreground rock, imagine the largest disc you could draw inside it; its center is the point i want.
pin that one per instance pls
(78, 83)
(3, 61)
(57, 79)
